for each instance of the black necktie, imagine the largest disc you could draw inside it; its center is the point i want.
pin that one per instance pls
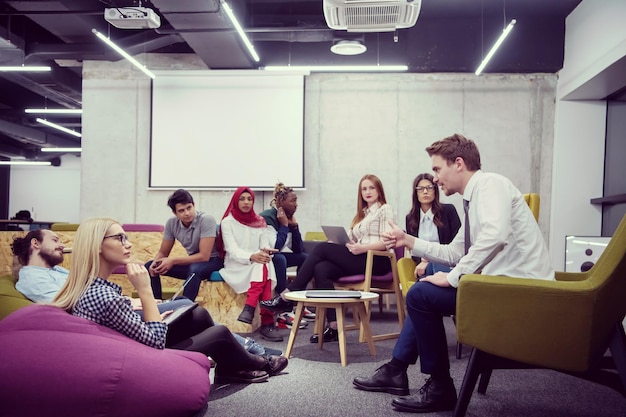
(467, 226)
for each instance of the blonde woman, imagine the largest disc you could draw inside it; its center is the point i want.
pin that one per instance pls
(329, 261)
(99, 246)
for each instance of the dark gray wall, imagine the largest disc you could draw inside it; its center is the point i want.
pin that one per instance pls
(614, 167)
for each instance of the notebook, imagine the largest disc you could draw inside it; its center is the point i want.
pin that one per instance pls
(179, 312)
(332, 294)
(336, 234)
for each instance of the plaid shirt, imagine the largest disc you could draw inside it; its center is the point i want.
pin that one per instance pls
(373, 225)
(104, 304)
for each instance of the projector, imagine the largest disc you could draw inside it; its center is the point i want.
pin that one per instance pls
(132, 17)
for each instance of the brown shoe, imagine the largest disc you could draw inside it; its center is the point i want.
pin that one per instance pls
(241, 377)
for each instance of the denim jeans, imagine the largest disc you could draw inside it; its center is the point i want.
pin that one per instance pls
(203, 270)
(282, 261)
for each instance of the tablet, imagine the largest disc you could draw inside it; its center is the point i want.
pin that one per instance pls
(179, 312)
(182, 287)
(336, 234)
(333, 294)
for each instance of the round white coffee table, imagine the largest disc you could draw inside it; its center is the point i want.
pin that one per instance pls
(340, 305)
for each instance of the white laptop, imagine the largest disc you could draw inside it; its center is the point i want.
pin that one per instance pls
(336, 234)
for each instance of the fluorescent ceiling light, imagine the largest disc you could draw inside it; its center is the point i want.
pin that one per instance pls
(125, 54)
(495, 47)
(339, 68)
(54, 111)
(23, 68)
(240, 31)
(59, 127)
(42, 163)
(61, 149)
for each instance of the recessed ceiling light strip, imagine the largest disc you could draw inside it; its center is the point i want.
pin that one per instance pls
(59, 127)
(495, 47)
(23, 68)
(61, 149)
(53, 111)
(339, 68)
(125, 54)
(240, 31)
(43, 163)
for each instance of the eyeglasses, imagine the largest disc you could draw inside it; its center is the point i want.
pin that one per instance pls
(425, 189)
(123, 238)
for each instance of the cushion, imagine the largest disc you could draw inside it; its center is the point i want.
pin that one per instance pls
(54, 363)
(351, 279)
(10, 298)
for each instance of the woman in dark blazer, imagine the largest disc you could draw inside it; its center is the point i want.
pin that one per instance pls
(439, 222)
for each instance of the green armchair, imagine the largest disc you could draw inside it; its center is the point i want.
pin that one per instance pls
(565, 325)
(10, 298)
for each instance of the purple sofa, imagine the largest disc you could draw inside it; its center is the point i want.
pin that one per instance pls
(56, 364)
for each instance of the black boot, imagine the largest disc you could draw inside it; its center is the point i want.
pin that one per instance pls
(435, 395)
(330, 335)
(247, 314)
(387, 378)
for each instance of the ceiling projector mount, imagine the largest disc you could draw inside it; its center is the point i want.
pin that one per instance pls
(132, 17)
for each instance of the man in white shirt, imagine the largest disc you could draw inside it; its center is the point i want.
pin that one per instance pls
(500, 223)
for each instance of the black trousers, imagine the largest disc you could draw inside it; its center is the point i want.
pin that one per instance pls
(197, 332)
(328, 262)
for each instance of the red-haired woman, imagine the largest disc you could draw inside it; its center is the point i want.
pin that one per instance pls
(328, 262)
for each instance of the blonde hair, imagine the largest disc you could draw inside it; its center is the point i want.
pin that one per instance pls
(85, 262)
(280, 193)
(361, 204)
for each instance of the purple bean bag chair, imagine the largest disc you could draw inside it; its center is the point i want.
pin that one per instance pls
(56, 364)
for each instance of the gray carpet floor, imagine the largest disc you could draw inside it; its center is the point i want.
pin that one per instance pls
(315, 384)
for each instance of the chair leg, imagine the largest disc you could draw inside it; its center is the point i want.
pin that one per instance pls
(484, 381)
(618, 352)
(459, 350)
(474, 369)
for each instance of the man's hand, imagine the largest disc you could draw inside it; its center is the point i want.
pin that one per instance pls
(420, 269)
(282, 217)
(292, 221)
(162, 266)
(395, 238)
(439, 279)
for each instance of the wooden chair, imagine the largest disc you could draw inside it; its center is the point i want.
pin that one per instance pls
(566, 325)
(380, 284)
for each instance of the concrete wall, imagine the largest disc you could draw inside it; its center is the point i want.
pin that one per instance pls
(355, 124)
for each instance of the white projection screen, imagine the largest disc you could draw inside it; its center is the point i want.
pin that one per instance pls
(225, 129)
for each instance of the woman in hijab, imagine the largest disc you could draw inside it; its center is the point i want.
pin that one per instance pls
(244, 242)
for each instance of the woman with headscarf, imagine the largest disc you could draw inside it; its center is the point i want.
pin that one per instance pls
(245, 243)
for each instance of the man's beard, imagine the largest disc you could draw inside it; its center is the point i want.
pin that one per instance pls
(52, 258)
